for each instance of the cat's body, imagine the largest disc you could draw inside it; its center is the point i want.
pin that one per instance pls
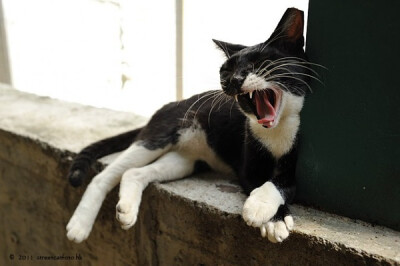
(249, 130)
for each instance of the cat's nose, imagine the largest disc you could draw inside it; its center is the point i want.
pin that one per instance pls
(237, 77)
(237, 82)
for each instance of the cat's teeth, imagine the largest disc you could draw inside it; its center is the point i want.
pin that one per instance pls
(271, 123)
(236, 97)
(251, 94)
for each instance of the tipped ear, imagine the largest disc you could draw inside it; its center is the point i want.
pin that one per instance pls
(290, 29)
(228, 48)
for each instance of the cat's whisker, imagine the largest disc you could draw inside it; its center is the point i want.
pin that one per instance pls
(281, 84)
(217, 99)
(232, 104)
(289, 77)
(298, 64)
(258, 69)
(297, 61)
(272, 63)
(297, 89)
(208, 94)
(304, 61)
(285, 70)
(204, 102)
(293, 74)
(213, 96)
(301, 63)
(269, 72)
(227, 99)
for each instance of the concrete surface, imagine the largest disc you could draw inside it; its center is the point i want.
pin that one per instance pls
(191, 221)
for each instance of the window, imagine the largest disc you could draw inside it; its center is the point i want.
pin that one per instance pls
(122, 54)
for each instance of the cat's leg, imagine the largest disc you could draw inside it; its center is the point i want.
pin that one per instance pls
(170, 166)
(266, 208)
(81, 222)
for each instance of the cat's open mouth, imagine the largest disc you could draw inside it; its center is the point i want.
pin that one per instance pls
(265, 105)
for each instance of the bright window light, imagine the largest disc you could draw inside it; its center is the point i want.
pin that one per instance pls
(121, 54)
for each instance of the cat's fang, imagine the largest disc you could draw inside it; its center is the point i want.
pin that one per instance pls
(236, 97)
(251, 94)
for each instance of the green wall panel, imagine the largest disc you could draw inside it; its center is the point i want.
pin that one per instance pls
(350, 134)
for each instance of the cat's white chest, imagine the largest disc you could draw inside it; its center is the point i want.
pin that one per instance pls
(279, 140)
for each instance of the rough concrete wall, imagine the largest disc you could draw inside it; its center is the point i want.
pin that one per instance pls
(36, 203)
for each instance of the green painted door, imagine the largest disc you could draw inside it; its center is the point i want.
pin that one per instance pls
(350, 134)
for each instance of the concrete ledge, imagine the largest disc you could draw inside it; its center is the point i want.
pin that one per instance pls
(191, 221)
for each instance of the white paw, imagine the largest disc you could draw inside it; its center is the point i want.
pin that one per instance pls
(277, 231)
(126, 213)
(78, 229)
(262, 205)
(256, 211)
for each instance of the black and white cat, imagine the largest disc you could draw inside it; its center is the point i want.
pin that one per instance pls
(248, 129)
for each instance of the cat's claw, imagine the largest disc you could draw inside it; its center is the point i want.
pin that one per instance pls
(77, 230)
(126, 214)
(277, 231)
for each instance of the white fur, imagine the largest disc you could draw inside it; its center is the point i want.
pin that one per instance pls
(262, 205)
(277, 231)
(279, 139)
(254, 82)
(81, 222)
(289, 222)
(170, 166)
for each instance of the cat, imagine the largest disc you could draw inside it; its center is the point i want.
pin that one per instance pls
(249, 128)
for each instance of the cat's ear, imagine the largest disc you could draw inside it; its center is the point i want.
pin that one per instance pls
(289, 31)
(228, 48)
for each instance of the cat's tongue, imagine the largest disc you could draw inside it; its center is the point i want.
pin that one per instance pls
(265, 110)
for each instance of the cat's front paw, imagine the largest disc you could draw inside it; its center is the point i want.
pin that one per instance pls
(264, 215)
(78, 229)
(257, 211)
(262, 205)
(266, 209)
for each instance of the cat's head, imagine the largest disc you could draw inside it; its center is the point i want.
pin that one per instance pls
(269, 80)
